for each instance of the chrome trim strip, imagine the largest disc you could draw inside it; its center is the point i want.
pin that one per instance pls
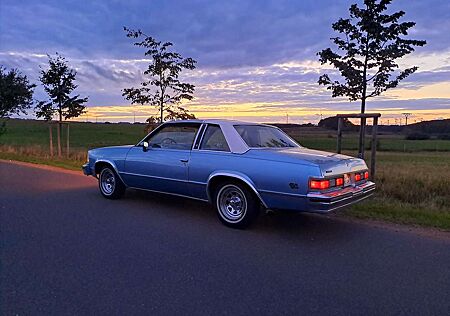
(154, 177)
(203, 135)
(201, 131)
(168, 193)
(215, 151)
(283, 193)
(198, 183)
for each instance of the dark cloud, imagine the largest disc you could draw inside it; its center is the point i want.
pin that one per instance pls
(254, 51)
(231, 33)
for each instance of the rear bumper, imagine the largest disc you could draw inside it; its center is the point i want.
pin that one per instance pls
(330, 201)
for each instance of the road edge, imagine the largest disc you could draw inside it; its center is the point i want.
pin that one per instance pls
(42, 166)
(423, 231)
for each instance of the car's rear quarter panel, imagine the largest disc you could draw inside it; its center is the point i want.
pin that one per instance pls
(281, 185)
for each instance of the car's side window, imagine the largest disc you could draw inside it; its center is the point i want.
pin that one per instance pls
(174, 136)
(214, 139)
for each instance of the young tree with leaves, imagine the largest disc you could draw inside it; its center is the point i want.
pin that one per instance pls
(16, 94)
(163, 88)
(371, 42)
(58, 82)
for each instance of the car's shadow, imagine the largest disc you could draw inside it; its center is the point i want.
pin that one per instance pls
(279, 222)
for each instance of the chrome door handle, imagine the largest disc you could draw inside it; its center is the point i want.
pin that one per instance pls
(184, 160)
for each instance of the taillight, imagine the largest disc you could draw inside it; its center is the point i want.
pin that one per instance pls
(357, 177)
(366, 175)
(319, 184)
(339, 181)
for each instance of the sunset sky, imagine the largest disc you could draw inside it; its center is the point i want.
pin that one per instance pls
(256, 59)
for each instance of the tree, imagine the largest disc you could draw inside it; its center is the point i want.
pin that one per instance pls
(16, 94)
(371, 42)
(163, 75)
(58, 82)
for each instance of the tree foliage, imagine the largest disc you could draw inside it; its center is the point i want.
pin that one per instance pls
(179, 113)
(16, 94)
(370, 43)
(59, 82)
(163, 88)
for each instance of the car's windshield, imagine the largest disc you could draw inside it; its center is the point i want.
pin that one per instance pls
(264, 136)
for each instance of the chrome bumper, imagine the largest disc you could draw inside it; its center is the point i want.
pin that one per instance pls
(330, 201)
(86, 169)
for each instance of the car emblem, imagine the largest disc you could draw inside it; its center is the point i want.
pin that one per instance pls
(347, 179)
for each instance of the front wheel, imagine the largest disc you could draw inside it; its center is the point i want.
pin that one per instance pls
(110, 185)
(237, 206)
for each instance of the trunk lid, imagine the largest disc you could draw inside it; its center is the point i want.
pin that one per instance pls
(329, 163)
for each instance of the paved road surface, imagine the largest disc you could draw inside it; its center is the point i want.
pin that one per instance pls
(67, 250)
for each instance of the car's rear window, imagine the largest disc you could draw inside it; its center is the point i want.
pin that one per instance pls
(260, 136)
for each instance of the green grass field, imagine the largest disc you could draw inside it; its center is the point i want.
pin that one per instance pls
(413, 177)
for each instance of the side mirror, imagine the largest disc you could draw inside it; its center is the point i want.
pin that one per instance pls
(145, 146)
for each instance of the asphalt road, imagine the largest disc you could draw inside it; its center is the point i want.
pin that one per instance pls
(67, 250)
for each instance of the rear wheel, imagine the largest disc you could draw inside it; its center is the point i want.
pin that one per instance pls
(110, 185)
(237, 206)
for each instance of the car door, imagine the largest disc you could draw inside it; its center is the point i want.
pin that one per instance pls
(164, 165)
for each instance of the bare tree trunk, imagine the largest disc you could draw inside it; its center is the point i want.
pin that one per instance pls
(58, 136)
(68, 138)
(362, 129)
(51, 138)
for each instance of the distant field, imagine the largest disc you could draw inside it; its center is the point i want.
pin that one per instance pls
(90, 135)
(82, 135)
(413, 176)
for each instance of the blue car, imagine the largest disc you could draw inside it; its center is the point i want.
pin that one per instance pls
(238, 167)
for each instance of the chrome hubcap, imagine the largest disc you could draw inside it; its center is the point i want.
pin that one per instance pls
(107, 181)
(232, 203)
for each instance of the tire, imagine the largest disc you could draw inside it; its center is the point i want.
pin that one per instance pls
(236, 205)
(110, 185)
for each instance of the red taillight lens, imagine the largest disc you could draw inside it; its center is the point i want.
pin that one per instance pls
(366, 175)
(319, 184)
(357, 177)
(339, 181)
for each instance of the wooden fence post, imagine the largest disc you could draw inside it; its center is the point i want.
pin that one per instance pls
(339, 136)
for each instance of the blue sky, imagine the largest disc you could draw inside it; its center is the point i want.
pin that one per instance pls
(256, 59)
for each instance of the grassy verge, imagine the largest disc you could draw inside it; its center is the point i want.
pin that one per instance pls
(401, 213)
(37, 156)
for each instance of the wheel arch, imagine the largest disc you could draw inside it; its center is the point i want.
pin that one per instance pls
(99, 164)
(219, 177)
